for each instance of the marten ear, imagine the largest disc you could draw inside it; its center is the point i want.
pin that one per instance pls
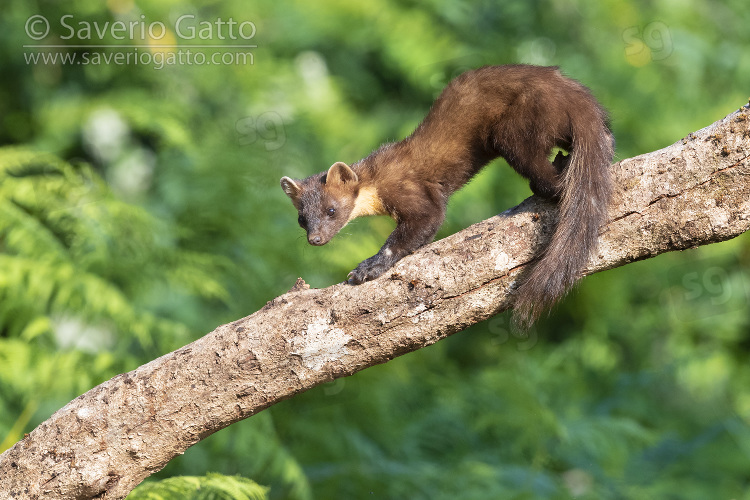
(290, 187)
(339, 173)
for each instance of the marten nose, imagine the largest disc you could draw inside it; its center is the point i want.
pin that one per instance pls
(315, 240)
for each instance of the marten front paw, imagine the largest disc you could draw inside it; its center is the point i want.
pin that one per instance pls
(366, 271)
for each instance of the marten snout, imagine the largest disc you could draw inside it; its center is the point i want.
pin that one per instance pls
(320, 232)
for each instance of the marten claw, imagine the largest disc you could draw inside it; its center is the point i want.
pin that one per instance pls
(360, 275)
(353, 279)
(367, 271)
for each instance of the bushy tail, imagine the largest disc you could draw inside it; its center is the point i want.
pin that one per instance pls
(583, 209)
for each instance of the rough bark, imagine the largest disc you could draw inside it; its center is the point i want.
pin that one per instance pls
(105, 442)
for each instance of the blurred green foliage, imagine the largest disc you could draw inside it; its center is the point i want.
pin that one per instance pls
(140, 208)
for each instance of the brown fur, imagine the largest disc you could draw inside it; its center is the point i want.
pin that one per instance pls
(517, 112)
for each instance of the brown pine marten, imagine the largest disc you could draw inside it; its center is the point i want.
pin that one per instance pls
(517, 112)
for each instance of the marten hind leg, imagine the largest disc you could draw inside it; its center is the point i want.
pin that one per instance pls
(545, 177)
(527, 151)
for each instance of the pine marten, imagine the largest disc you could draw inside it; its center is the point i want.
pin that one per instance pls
(518, 112)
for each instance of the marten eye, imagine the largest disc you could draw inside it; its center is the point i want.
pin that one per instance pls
(301, 220)
(331, 211)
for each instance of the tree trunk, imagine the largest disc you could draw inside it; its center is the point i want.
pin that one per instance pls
(106, 441)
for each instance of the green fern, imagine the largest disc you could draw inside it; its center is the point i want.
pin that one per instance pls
(212, 486)
(67, 246)
(83, 282)
(87, 280)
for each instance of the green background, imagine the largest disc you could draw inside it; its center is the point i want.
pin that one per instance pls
(140, 208)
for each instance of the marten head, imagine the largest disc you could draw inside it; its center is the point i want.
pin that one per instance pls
(325, 201)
